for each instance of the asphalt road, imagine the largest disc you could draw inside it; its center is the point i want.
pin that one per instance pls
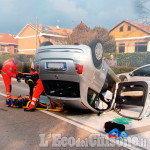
(42, 130)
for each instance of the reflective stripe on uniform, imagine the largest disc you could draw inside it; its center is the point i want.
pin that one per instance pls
(9, 71)
(8, 94)
(34, 99)
(30, 80)
(4, 73)
(33, 103)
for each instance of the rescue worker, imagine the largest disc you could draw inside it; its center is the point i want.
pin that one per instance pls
(39, 87)
(9, 70)
(32, 82)
(37, 92)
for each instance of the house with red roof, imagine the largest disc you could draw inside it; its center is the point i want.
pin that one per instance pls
(8, 44)
(31, 36)
(131, 37)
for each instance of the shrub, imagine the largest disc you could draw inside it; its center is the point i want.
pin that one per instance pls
(24, 65)
(130, 59)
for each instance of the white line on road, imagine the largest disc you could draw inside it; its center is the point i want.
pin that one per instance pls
(3, 94)
(130, 146)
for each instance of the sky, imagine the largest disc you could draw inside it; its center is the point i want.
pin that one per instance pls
(15, 14)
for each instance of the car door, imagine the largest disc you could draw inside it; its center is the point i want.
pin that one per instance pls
(132, 99)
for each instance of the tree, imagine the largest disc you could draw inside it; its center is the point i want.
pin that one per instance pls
(107, 40)
(83, 35)
(80, 34)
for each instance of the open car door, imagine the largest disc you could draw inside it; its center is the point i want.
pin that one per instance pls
(132, 99)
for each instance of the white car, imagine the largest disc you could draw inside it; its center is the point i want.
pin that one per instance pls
(140, 74)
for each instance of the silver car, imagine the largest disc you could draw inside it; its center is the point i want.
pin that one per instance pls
(140, 74)
(76, 75)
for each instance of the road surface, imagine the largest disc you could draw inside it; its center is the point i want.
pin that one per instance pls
(69, 129)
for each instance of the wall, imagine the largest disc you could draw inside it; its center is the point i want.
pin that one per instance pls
(130, 45)
(129, 37)
(135, 32)
(27, 41)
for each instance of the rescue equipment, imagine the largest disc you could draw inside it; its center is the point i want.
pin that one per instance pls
(24, 102)
(111, 125)
(116, 134)
(115, 130)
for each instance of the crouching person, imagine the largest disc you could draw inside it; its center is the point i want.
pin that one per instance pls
(34, 84)
(36, 94)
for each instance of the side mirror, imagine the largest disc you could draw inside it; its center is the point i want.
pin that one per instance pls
(131, 74)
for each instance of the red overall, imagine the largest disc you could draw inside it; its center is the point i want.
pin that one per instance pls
(8, 71)
(37, 92)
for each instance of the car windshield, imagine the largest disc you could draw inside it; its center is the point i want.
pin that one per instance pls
(145, 71)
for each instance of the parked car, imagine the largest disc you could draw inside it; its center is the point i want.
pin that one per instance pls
(76, 75)
(142, 73)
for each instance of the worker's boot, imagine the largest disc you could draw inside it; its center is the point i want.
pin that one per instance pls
(31, 106)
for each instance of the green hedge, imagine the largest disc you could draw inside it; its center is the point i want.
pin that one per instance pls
(126, 62)
(23, 58)
(25, 64)
(131, 59)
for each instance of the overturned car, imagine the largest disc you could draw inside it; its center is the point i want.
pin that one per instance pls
(76, 76)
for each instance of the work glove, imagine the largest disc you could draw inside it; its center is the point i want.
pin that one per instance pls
(18, 79)
(20, 75)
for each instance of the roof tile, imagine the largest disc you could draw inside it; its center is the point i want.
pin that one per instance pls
(8, 38)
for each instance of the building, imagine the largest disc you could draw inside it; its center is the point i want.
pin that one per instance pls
(31, 36)
(131, 37)
(8, 44)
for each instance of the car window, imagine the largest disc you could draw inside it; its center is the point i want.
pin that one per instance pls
(145, 71)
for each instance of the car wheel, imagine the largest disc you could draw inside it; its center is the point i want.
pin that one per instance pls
(97, 52)
(123, 78)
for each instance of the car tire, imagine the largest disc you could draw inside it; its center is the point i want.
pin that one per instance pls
(97, 52)
(46, 43)
(123, 78)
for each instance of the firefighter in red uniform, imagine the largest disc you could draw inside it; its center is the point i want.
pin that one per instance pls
(9, 70)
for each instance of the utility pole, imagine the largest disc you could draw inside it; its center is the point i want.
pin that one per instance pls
(36, 33)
